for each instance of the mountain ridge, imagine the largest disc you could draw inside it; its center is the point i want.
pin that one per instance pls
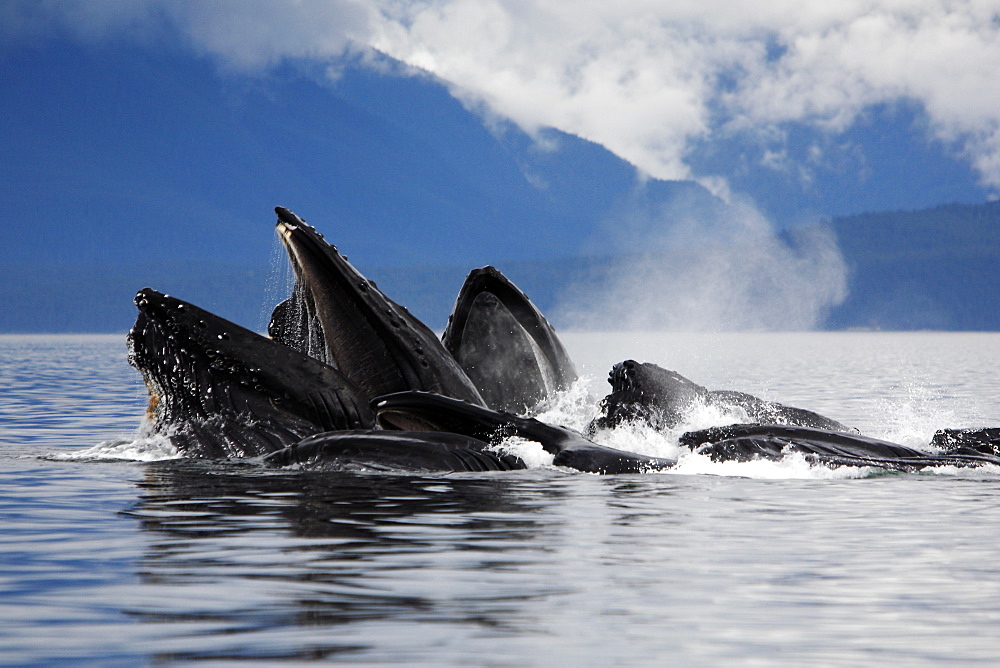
(898, 280)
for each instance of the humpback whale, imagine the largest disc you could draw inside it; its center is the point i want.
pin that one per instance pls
(342, 318)
(423, 411)
(652, 394)
(397, 451)
(745, 442)
(985, 440)
(741, 442)
(505, 345)
(220, 390)
(352, 381)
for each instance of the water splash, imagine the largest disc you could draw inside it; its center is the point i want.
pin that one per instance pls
(530, 452)
(791, 467)
(573, 407)
(696, 270)
(280, 282)
(913, 415)
(576, 407)
(142, 448)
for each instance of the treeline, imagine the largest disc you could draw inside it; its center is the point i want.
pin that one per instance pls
(928, 269)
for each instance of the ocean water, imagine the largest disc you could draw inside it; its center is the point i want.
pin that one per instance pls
(115, 552)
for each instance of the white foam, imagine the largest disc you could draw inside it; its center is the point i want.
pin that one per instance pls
(790, 467)
(140, 450)
(575, 408)
(530, 452)
(990, 470)
(641, 439)
(144, 446)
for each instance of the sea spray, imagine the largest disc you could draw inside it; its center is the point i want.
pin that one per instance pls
(710, 271)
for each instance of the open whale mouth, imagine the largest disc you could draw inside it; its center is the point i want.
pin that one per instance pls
(334, 315)
(295, 322)
(182, 351)
(228, 391)
(161, 349)
(373, 341)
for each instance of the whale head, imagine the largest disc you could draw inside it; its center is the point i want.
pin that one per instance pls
(372, 340)
(220, 390)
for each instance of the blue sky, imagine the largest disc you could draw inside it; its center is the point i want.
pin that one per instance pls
(466, 131)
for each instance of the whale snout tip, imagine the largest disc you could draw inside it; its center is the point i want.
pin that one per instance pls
(287, 219)
(142, 298)
(289, 222)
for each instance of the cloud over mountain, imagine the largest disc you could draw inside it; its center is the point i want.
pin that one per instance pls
(645, 79)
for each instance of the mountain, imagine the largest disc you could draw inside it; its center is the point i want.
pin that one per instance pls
(123, 167)
(119, 156)
(934, 268)
(928, 269)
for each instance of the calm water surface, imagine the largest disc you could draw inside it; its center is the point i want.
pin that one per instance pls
(110, 560)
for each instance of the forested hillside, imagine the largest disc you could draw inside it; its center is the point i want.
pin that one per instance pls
(930, 269)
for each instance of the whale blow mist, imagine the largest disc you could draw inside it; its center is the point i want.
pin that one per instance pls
(692, 268)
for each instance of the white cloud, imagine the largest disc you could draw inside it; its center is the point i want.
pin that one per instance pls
(253, 33)
(644, 78)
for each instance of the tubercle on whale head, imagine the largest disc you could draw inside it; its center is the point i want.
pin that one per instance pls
(302, 240)
(622, 376)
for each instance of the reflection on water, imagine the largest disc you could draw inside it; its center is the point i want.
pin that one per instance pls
(127, 563)
(541, 565)
(61, 390)
(301, 550)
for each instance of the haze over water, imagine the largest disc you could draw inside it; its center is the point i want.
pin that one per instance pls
(115, 561)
